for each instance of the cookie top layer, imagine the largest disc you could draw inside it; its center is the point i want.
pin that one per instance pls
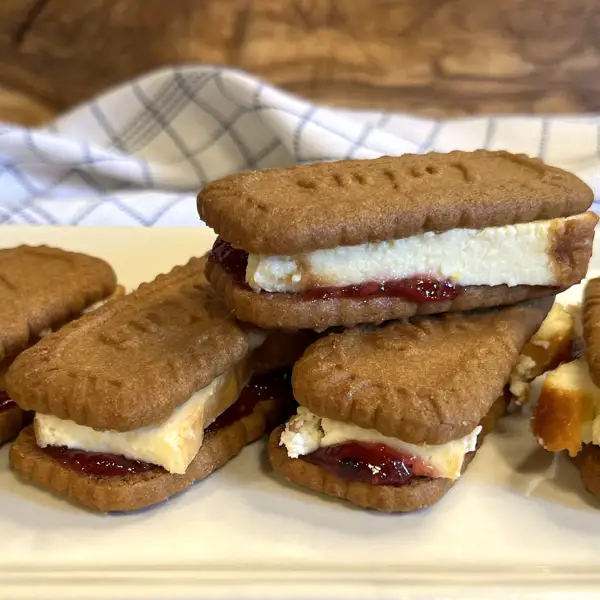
(591, 327)
(130, 363)
(430, 380)
(42, 287)
(325, 205)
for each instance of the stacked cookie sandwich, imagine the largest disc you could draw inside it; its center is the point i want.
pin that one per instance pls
(141, 398)
(41, 288)
(391, 415)
(365, 241)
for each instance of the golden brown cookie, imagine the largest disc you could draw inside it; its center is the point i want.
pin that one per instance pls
(132, 492)
(428, 381)
(496, 412)
(291, 311)
(12, 420)
(350, 202)
(134, 360)
(42, 288)
(591, 327)
(281, 349)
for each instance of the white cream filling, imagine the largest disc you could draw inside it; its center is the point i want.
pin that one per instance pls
(306, 432)
(172, 444)
(511, 255)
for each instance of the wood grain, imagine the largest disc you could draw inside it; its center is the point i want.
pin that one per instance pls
(436, 57)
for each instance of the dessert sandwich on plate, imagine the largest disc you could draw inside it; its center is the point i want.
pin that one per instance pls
(366, 241)
(391, 416)
(141, 398)
(41, 289)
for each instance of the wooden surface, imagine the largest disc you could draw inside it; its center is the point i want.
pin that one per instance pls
(437, 57)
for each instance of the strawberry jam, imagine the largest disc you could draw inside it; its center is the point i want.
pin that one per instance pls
(98, 464)
(414, 289)
(367, 462)
(234, 261)
(260, 387)
(5, 401)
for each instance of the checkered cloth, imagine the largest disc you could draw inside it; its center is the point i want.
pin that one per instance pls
(138, 154)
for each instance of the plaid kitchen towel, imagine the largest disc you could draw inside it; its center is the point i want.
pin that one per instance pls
(138, 154)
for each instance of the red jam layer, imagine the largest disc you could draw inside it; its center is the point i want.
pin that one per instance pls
(367, 462)
(260, 387)
(98, 464)
(414, 289)
(5, 401)
(234, 261)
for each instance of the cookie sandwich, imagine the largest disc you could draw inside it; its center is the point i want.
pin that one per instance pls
(365, 241)
(390, 417)
(567, 414)
(140, 399)
(41, 289)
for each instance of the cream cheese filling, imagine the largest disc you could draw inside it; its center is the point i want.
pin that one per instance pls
(305, 433)
(172, 444)
(512, 255)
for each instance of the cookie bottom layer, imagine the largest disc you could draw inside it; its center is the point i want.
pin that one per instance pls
(290, 311)
(588, 463)
(133, 492)
(12, 420)
(418, 493)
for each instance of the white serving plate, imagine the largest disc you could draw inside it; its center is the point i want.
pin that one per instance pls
(517, 525)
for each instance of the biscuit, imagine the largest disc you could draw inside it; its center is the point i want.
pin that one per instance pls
(418, 493)
(427, 381)
(588, 463)
(132, 492)
(591, 327)
(130, 363)
(12, 420)
(281, 349)
(325, 205)
(291, 311)
(42, 287)
(496, 412)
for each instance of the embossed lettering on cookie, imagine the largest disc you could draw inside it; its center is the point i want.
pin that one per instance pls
(41, 289)
(390, 417)
(141, 398)
(365, 241)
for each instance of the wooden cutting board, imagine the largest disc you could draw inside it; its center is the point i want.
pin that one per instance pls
(435, 57)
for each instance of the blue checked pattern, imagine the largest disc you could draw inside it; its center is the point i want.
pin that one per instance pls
(138, 154)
